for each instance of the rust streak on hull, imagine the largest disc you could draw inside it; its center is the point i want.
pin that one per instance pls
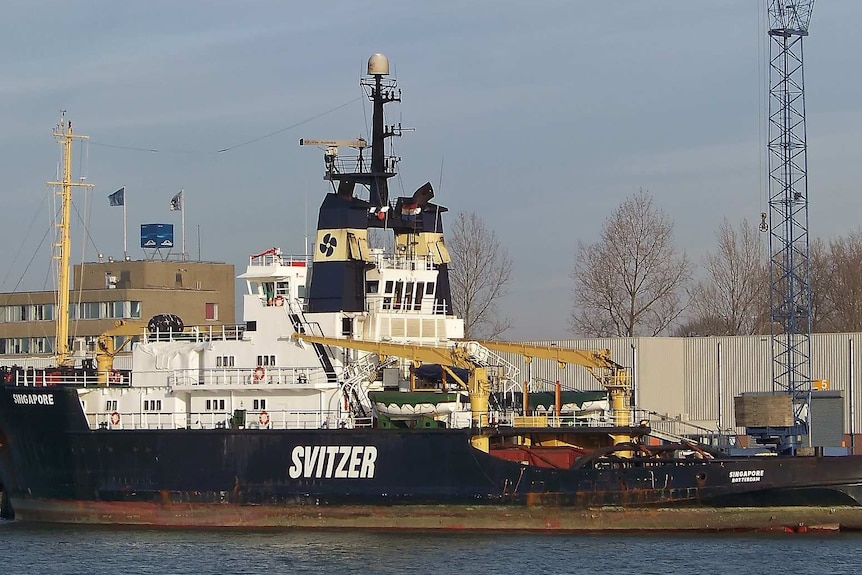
(446, 517)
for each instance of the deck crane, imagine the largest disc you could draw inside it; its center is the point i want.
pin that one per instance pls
(613, 377)
(790, 281)
(472, 356)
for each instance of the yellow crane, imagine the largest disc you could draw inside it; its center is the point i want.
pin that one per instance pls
(614, 377)
(469, 355)
(106, 350)
(461, 354)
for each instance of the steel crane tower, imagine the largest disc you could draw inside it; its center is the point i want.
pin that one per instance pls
(790, 273)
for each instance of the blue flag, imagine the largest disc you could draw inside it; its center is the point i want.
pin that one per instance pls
(118, 198)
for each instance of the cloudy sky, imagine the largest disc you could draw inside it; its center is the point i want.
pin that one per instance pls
(539, 116)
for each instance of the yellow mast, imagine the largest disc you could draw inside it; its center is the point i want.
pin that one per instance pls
(64, 135)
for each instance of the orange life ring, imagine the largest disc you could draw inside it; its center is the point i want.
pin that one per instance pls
(263, 418)
(115, 418)
(279, 300)
(259, 373)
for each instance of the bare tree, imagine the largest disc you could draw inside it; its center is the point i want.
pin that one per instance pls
(839, 283)
(629, 282)
(822, 311)
(479, 274)
(699, 326)
(735, 294)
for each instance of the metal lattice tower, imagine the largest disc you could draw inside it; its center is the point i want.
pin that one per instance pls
(790, 283)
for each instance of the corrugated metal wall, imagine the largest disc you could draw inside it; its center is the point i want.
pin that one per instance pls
(696, 378)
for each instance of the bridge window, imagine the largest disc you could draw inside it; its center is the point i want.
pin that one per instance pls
(215, 405)
(408, 295)
(399, 294)
(153, 404)
(420, 291)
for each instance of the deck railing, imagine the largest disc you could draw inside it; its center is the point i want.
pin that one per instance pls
(253, 419)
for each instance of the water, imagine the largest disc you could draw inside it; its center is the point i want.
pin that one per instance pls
(46, 550)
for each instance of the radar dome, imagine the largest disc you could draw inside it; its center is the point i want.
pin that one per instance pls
(378, 65)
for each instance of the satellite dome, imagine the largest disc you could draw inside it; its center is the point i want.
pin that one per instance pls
(378, 65)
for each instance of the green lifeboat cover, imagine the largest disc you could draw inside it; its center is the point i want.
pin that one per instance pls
(411, 397)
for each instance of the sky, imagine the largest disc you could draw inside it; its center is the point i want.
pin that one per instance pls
(541, 117)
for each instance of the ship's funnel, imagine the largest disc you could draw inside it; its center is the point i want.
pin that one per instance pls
(423, 195)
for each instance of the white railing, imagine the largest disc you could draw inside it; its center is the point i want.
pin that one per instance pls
(239, 377)
(39, 378)
(276, 258)
(254, 419)
(576, 419)
(389, 262)
(196, 333)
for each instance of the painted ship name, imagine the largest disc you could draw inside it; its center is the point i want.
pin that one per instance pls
(746, 476)
(333, 461)
(32, 399)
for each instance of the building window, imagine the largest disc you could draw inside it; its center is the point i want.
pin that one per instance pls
(266, 360)
(135, 309)
(43, 312)
(211, 311)
(259, 404)
(43, 344)
(224, 361)
(111, 405)
(20, 345)
(91, 310)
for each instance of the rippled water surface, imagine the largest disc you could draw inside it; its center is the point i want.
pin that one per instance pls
(125, 551)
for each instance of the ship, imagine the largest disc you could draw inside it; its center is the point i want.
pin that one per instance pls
(349, 398)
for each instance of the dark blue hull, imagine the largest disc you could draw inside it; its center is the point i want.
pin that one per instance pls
(55, 468)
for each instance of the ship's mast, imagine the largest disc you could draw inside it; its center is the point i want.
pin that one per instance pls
(64, 135)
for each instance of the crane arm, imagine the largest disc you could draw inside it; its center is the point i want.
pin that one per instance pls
(614, 377)
(597, 359)
(461, 354)
(458, 355)
(598, 362)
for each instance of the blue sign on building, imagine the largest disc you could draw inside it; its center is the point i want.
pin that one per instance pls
(155, 236)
